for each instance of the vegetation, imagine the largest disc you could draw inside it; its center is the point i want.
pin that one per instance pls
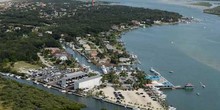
(111, 78)
(215, 10)
(206, 4)
(16, 96)
(23, 29)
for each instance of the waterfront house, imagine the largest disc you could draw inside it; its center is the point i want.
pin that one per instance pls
(52, 50)
(110, 47)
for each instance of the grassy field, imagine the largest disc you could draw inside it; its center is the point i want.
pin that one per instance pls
(206, 4)
(22, 66)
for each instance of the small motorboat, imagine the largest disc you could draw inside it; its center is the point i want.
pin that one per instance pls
(203, 85)
(198, 94)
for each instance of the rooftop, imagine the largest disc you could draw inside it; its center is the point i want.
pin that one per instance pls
(87, 79)
(75, 74)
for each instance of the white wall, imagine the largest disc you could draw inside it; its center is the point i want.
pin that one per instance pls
(88, 84)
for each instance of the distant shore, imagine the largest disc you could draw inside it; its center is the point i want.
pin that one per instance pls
(183, 3)
(4, 0)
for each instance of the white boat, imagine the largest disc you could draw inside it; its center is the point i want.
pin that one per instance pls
(203, 85)
(48, 86)
(35, 82)
(18, 77)
(11, 75)
(63, 91)
(171, 71)
(77, 60)
(198, 94)
(28, 79)
(152, 70)
(104, 70)
(171, 108)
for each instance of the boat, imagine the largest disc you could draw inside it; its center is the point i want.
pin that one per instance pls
(28, 79)
(104, 70)
(189, 86)
(11, 75)
(63, 91)
(171, 108)
(203, 85)
(77, 60)
(198, 94)
(170, 71)
(152, 70)
(35, 82)
(89, 61)
(48, 86)
(44, 85)
(18, 77)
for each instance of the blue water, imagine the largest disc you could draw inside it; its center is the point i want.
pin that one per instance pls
(193, 55)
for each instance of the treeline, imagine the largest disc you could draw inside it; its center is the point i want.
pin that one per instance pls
(17, 96)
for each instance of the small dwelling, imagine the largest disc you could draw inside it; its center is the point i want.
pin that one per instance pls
(88, 82)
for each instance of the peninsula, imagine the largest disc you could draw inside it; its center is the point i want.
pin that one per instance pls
(36, 38)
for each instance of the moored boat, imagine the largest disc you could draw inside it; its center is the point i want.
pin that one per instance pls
(104, 70)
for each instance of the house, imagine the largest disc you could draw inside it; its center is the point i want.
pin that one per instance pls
(93, 53)
(110, 47)
(136, 23)
(88, 83)
(124, 59)
(52, 50)
(63, 58)
(86, 47)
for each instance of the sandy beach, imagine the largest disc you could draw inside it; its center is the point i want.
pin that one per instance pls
(136, 98)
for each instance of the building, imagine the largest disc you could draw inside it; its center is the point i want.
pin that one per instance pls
(88, 83)
(69, 78)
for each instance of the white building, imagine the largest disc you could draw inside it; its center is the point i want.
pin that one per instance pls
(88, 82)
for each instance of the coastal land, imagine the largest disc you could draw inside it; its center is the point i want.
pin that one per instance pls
(215, 10)
(16, 96)
(36, 34)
